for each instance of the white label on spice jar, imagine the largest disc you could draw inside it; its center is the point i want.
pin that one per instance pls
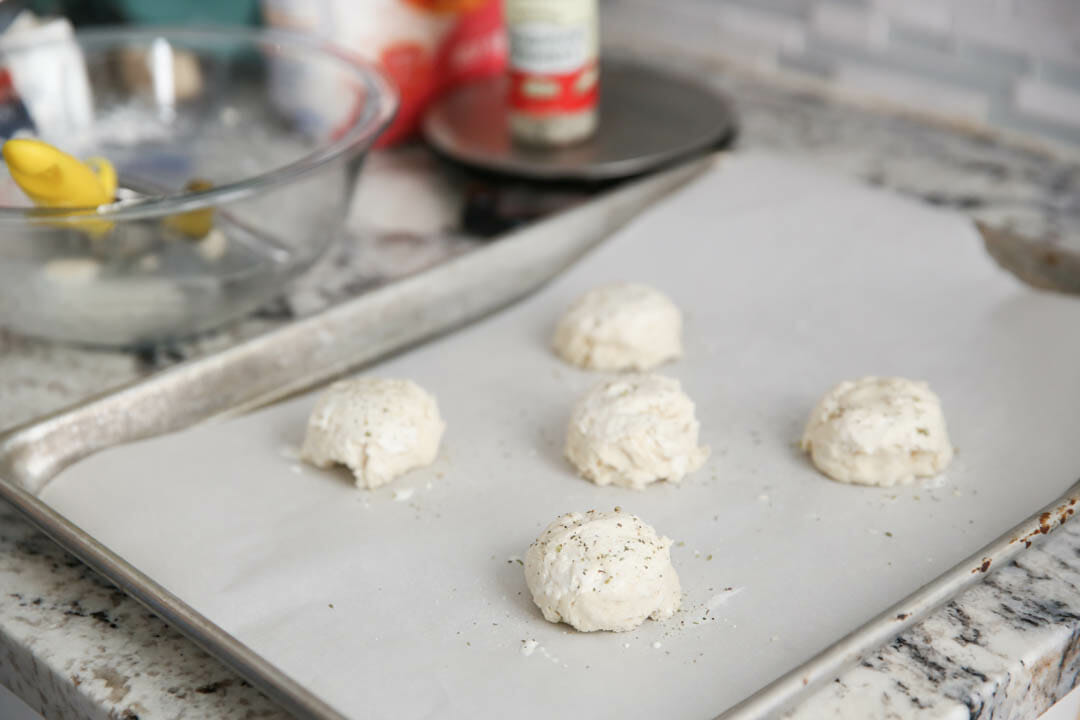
(549, 49)
(551, 37)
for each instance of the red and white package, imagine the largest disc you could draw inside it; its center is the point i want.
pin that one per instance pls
(424, 46)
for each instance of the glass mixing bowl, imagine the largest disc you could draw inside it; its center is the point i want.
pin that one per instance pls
(236, 152)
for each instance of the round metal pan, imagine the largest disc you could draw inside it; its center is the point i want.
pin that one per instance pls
(648, 118)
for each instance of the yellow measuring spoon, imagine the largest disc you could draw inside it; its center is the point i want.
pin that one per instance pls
(52, 178)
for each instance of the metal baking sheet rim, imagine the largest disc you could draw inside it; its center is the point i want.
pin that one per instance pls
(531, 251)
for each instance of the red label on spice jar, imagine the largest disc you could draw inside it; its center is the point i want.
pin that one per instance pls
(540, 94)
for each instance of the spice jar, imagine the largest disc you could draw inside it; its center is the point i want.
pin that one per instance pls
(553, 70)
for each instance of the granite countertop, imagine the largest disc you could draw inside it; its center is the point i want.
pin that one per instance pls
(74, 647)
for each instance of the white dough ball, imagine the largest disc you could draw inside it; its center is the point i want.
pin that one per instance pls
(878, 431)
(635, 430)
(602, 571)
(379, 429)
(620, 327)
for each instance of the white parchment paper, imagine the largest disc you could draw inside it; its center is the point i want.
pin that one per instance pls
(409, 601)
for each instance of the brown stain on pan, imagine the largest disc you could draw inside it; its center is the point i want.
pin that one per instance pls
(1063, 512)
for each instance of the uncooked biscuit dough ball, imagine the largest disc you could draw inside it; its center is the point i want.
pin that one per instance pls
(620, 327)
(878, 431)
(377, 428)
(602, 571)
(635, 430)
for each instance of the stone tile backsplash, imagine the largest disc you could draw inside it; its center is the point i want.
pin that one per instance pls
(1009, 64)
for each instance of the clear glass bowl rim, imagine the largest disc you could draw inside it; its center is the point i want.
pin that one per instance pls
(379, 108)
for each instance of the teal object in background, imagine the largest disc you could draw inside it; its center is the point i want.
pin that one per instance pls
(204, 12)
(152, 12)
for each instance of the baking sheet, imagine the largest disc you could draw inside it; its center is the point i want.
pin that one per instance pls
(409, 601)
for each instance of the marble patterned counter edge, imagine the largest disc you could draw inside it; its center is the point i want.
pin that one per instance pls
(129, 663)
(1009, 648)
